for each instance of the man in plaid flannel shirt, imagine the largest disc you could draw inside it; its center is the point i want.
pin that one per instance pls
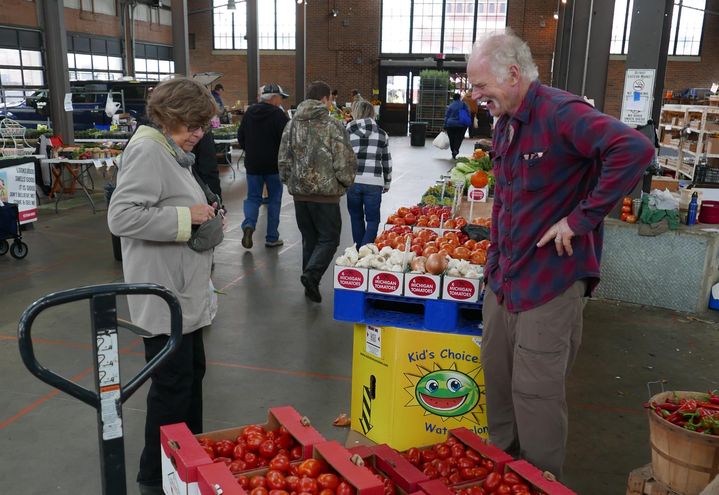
(560, 166)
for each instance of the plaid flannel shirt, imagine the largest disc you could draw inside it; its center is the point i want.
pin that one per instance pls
(556, 157)
(371, 145)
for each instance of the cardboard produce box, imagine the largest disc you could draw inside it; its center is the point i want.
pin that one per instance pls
(424, 286)
(350, 278)
(712, 146)
(216, 479)
(390, 463)
(181, 456)
(662, 183)
(537, 478)
(340, 460)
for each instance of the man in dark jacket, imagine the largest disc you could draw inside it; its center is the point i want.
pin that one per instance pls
(206, 162)
(259, 135)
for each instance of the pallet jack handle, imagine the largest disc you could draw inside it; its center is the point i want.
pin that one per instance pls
(110, 394)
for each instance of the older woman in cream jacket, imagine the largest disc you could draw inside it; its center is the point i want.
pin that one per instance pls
(153, 210)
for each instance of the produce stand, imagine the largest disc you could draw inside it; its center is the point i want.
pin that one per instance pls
(417, 325)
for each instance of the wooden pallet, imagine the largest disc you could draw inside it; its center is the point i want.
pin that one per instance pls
(641, 482)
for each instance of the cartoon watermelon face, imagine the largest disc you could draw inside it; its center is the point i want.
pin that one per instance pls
(447, 393)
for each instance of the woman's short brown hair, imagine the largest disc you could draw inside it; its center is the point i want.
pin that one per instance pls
(181, 101)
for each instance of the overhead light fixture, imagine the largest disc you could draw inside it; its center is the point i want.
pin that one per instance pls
(299, 2)
(231, 5)
(556, 15)
(564, 1)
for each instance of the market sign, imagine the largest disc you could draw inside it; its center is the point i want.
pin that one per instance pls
(17, 185)
(638, 96)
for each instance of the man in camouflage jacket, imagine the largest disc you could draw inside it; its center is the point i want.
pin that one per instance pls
(317, 163)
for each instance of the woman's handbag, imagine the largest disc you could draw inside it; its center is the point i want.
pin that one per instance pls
(209, 234)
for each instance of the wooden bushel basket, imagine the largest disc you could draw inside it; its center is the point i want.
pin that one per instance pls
(684, 460)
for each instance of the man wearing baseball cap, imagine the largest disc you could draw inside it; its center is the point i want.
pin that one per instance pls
(259, 135)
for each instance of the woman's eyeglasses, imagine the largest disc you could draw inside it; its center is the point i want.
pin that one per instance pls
(193, 130)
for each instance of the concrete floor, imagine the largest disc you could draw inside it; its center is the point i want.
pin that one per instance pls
(269, 346)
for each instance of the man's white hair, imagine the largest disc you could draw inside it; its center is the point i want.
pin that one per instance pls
(503, 49)
(267, 96)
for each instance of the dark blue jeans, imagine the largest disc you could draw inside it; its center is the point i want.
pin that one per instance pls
(253, 202)
(363, 202)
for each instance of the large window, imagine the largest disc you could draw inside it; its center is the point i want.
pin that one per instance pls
(686, 32)
(93, 58)
(21, 66)
(275, 25)
(438, 26)
(153, 62)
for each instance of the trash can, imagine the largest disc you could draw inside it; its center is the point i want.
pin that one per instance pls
(116, 247)
(418, 133)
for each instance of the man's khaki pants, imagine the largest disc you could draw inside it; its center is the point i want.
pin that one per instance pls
(527, 357)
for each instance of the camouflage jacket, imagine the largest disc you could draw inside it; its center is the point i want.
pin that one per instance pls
(316, 157)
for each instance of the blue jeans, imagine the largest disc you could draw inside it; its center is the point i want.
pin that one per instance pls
(255, 184)
(363, 202)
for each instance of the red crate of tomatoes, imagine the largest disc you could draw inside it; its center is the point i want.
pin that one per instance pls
(463, 457)
(331, 471)
(181, 456)
(285, 437)
(215, 478)
(397, 474)
(540, 483)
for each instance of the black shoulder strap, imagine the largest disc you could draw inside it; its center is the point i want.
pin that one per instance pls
(211, 196)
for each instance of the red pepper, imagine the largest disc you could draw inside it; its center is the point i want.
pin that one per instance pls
(669, 406)
(709, 405)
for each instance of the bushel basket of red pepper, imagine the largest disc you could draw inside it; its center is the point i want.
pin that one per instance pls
(693, 411)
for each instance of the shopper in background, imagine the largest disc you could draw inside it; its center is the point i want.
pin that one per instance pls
(456, 129)
(356, 96)
(217, 95)
(374, 173)
(473, 107)
(259, 135)
(156, 204)
(205, 165)
(560, 167)
(317, 163)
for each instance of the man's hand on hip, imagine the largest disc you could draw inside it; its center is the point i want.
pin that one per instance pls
(562, 235)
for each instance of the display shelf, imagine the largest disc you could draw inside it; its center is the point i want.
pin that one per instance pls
(438, 315)
(698, 120)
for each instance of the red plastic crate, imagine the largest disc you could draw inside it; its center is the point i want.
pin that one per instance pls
(340, 459)
(486, 450)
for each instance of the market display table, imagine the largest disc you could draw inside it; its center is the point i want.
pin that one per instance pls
(99, 141)
(225, 147)
(674, 270)
(78, 171)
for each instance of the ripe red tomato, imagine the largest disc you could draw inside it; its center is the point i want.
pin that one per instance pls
(477, 490)
(410, 219)
(430, 471)
(455, 478)
(275, 480)
(414, 456)
(238, 452)
(492, 482)
(254, 441)
(626, 209)
(489, 465)
(465, 462)
(284, 441)
(310, 468)
(251, 460)
(627, 201)
(280, 463)
(238, 466)
(244, 482)
(443, 451)
(260, 490)
(258, 480)
(520, 488)
(210, 451)
(458, 449)
(254, 429)
(205, 441)
(511, 478)
(267, 449)
(308, 485)
(224, 448)
(292, 482)
(428, 455)
(504, 490)
(345, 488)
(296, 453)
(328, 481)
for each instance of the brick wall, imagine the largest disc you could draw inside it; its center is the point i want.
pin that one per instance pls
(20, 13)
(107, 25)
(680, 74)
(526, 17)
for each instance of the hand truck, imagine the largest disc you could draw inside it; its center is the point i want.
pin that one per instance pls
(109, 393)
(10, 229)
